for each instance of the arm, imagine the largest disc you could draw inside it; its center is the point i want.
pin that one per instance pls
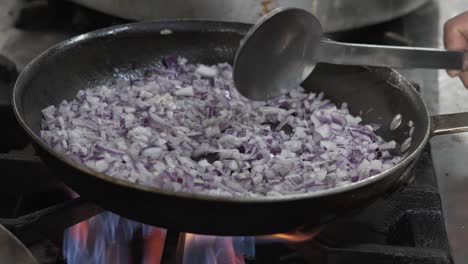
(456, 38)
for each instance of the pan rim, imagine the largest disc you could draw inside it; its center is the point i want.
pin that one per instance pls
(151, 27)
(19, 245)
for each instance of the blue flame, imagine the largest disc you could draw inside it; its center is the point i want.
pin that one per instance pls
(244, 246)
(218, 250)
(106, 240)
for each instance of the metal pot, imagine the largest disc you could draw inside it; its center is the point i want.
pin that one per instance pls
(335, 15)
(12, 250)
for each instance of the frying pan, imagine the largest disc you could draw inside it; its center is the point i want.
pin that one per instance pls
(377, 94)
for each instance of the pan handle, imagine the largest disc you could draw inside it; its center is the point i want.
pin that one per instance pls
(449, 124)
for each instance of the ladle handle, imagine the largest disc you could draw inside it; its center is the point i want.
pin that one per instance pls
(390, 56)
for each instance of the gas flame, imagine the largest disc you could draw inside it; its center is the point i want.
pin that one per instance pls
(217, 249)
(154, 246)
(108, 238)
(292, 237)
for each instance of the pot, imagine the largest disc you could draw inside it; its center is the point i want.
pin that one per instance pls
(335, 15)
(12, 250)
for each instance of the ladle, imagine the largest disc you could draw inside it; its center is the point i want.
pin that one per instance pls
(281, 50)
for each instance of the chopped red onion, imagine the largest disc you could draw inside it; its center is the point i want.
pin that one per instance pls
(184, 127)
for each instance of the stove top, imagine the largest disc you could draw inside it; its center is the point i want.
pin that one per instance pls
(405, 226)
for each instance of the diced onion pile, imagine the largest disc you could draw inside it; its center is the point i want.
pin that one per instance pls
(184, 127)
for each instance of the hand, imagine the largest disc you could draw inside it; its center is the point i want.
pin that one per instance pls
(456, 38)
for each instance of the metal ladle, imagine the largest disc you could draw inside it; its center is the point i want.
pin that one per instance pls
(282, 49)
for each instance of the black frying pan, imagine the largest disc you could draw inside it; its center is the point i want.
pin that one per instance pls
(60, 72)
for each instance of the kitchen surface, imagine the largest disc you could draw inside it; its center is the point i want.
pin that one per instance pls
(24, 33)
(450, 152)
